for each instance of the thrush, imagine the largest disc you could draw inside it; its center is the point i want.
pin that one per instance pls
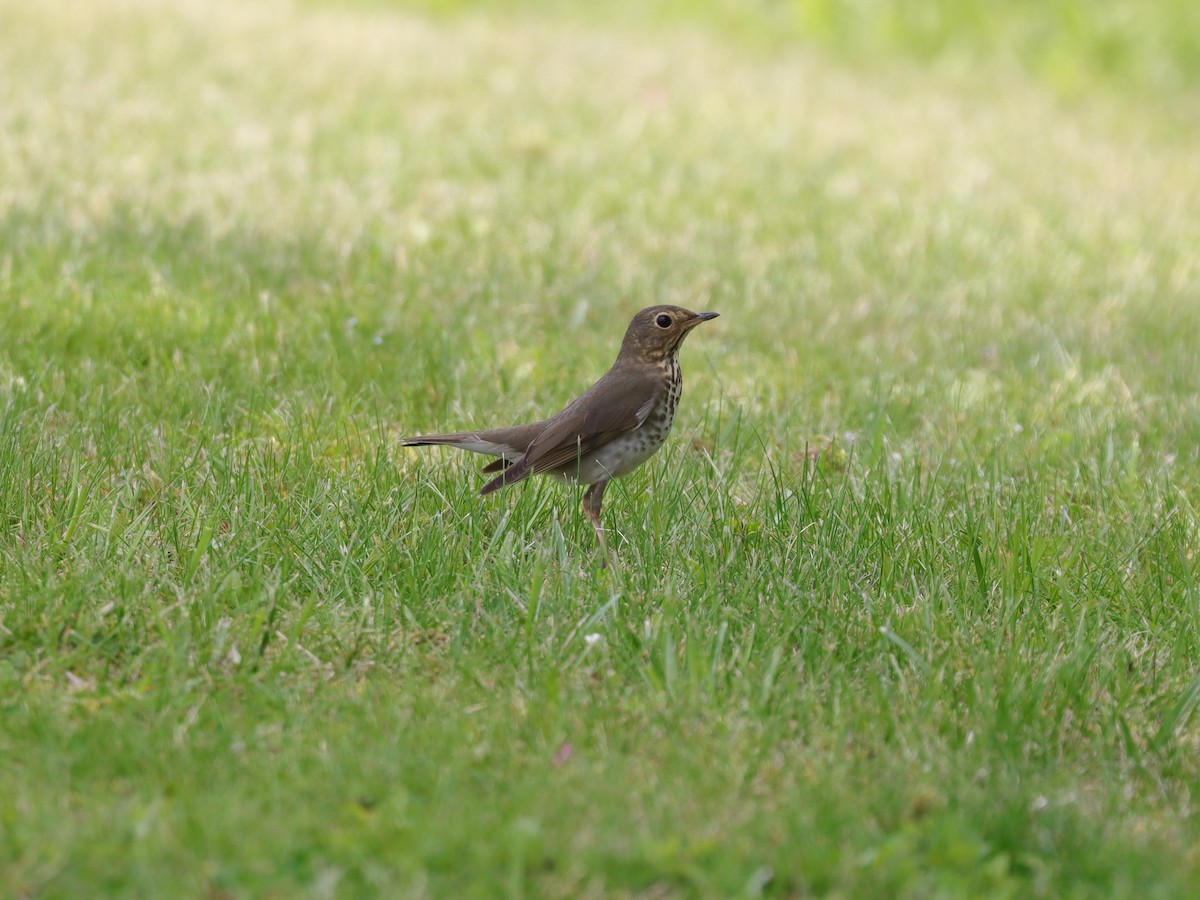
(611, 429)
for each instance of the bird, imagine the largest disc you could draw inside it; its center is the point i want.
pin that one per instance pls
(608, 431)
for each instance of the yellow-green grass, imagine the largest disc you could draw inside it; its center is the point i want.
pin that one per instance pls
(906, 607)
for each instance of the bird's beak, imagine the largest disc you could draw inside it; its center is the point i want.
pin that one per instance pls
(704, 317)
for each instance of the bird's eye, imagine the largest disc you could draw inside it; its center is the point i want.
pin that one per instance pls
(663, 321)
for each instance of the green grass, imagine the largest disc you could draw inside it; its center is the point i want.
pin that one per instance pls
(907, 607)
(1067, 45)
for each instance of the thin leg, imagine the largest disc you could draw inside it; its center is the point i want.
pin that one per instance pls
(592, 498)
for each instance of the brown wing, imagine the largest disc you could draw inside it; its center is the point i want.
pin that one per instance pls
(608, 409)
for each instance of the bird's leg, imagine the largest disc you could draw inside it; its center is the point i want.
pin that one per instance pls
(592, 498)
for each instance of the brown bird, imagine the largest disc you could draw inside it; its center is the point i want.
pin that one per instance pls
(611, 429)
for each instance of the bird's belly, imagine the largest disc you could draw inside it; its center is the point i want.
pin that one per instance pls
(618, 457)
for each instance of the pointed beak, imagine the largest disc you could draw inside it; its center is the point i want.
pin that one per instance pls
(704, 317)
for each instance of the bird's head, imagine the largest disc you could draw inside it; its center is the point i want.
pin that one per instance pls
(657, 331)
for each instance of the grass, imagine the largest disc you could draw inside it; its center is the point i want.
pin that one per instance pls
(1066, 46)
(907, 606)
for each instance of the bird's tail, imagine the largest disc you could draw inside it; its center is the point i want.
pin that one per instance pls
(509, 444)
(489, 444)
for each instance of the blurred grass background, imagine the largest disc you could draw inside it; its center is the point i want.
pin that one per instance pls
(1069, 46)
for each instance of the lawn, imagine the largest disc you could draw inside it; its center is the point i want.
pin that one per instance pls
(907, 606)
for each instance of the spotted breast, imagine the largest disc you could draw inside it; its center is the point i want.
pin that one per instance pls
(627, 452)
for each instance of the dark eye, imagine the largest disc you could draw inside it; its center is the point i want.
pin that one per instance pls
(663, 321)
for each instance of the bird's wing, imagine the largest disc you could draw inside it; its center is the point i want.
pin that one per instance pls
(607, 410)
